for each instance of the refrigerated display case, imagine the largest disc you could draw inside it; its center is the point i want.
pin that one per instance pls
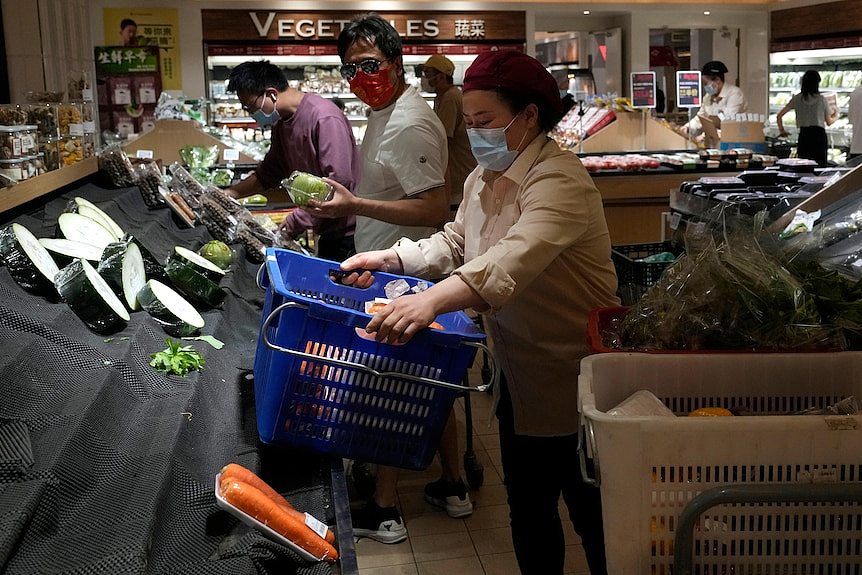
(315, 70)
(840, 72)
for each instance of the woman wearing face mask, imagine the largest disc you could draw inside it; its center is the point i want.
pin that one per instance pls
(309, 134)
(719, 99)
(529, 248)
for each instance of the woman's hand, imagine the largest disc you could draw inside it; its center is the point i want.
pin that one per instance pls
(342, 203)
(403, 318)
(782, 134)
(383, 260)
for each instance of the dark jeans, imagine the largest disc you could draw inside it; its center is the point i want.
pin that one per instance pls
(335, 249)
(536, 470)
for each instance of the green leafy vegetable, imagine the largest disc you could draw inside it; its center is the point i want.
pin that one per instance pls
(177, 360)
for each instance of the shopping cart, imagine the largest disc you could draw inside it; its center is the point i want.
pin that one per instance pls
(649, 468)
(322, 383)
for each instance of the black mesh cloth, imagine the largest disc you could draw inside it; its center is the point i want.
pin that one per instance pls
(107, 466)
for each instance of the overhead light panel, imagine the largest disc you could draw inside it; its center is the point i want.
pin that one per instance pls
(706, 12)
(586, 12)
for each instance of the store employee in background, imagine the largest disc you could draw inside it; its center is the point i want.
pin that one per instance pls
(402, 192)
(720, 99)
(437, 77)
(309, 134)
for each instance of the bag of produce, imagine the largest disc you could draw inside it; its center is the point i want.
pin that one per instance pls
(114, 162)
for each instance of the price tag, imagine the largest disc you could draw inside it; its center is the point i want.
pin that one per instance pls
(232, 219)
(674, 221)
(76, 129)
(144, 154)
(317, 526)
(89, 127)
(87, 94)
(230, 155)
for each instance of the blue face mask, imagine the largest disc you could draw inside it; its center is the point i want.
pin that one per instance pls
(263, 119)
(710, 89)
(490, 148)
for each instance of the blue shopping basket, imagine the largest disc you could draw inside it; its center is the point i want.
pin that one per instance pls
(321, 383)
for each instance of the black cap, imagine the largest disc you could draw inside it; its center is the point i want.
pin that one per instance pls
(714, 68)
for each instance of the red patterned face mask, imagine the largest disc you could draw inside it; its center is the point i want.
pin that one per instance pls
(376, 89)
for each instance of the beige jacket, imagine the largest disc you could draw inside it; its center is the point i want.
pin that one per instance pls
(534, 244)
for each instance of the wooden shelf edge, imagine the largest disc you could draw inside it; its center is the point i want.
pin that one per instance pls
(38, 186)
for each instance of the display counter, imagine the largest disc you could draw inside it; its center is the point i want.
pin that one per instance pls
(108, 466)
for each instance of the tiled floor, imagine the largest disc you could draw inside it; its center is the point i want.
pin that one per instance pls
(477, 545)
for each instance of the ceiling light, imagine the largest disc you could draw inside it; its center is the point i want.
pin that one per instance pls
(586, 12)
(706, 12)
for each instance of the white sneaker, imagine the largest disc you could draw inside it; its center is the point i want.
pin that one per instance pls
(451, 496)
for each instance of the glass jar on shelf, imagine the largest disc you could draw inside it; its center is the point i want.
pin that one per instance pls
(71, 150)
(78, 86)
(12, 115)
(88, 117)
(70, 120)
(10, 142)
(44, 116)
(50, 151)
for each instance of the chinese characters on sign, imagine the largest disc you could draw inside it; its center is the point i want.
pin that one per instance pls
(643, 89)
(688, 88)
(118, 60)
(470, 29)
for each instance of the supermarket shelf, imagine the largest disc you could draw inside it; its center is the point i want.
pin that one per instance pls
(38, 186)
(822, 89)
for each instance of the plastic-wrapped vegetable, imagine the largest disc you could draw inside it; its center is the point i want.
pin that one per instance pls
(726, 294)
(199, 156)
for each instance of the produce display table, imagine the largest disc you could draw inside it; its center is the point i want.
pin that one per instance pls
(107, 466)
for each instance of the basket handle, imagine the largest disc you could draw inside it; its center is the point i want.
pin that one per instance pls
(258, 279)
(587, 433)
(365, 368)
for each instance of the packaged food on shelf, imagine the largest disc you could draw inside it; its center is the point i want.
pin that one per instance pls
(145, 89)
(124, 124)
(13, 170)
(28, 137)
(12, 115)
(70, 121)
(44, 96)
(116, 163)
(71, 150)
(149, 178)
(120, 90)
(10, 142)
(50, 151)
(44, 116)
(147, 121)
(78, 86)
(88, 141)
(37, 165)
(88, 117)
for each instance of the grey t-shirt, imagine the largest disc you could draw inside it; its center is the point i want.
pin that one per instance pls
(810, 111)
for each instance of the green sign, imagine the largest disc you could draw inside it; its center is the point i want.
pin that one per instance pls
(113, 60)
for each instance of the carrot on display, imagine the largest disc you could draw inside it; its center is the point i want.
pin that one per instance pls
(245, 475)
(255, 503)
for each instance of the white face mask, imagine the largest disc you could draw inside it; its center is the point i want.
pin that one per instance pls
(490, 148)
(263, 119)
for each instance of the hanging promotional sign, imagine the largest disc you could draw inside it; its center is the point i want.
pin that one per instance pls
(688, 89)
(154, 27)
(643, 89)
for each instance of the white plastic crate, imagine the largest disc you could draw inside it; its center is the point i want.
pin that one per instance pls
(650, 467)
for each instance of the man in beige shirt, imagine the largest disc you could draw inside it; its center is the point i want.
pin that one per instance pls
(530, 249)
(437, 77)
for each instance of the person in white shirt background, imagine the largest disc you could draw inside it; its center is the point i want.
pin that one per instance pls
(720, 99)
(855, 115)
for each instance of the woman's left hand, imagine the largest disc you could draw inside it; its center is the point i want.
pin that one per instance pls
(401, 319)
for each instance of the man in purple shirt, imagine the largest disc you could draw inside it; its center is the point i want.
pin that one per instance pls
(309, 134)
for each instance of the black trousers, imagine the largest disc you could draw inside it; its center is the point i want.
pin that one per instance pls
(536, 471)
(812, 144)
(336, 249)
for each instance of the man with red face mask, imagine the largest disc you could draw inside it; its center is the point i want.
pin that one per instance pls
(401, 193)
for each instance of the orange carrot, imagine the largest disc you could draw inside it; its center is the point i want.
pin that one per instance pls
(255, 503)
(240, 473)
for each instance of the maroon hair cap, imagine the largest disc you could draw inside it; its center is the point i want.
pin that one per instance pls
(513, 71)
